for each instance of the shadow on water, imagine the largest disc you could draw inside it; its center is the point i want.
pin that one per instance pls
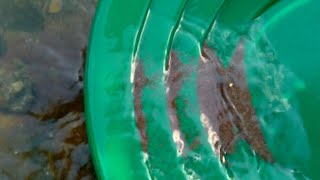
(42, 129)
(3, 46)
(29, 17)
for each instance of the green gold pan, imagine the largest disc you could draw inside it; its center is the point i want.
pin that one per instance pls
(204, 89)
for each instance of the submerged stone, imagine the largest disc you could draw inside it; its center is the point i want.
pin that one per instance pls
(16, 92)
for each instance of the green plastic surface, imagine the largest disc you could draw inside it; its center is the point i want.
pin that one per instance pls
(282, 44)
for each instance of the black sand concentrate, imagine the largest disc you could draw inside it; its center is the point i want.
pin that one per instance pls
(224, 99)
(225, 104)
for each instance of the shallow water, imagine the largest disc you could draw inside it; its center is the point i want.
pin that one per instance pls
(40, 56)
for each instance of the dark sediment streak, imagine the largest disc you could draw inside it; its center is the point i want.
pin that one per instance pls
(139, 82)
(173, 83)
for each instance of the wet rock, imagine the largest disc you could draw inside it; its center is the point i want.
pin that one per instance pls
(16, 92)
(55, 6)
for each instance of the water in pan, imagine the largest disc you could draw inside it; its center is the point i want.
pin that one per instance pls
(244, 128)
